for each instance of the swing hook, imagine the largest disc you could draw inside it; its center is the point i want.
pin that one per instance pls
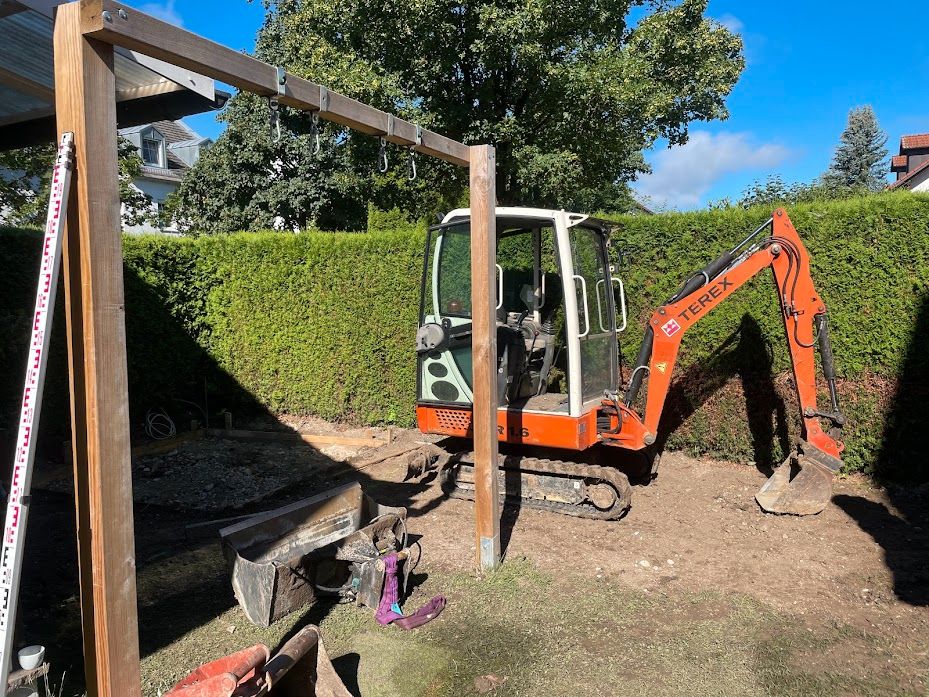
(411, 165)
(314, 132)
(382, 163)
(411, 157)
(275, 118)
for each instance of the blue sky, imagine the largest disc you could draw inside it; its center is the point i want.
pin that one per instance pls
(808, 63)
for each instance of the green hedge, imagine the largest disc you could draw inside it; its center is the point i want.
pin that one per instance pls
(870, 262)
(323, 323)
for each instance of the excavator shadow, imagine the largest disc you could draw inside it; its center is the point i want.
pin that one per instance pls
(746, 354)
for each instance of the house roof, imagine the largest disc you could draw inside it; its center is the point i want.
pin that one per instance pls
(917, 140)
(909, 175)
(898, 162)
(187, 143)
(176, 133)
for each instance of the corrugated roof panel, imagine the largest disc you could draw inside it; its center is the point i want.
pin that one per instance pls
(131, 75)
(14, 103)
(26, 38)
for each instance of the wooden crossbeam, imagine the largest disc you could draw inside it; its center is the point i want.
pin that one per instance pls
(115, 23)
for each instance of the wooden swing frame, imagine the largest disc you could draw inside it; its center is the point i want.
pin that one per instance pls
(85, 34)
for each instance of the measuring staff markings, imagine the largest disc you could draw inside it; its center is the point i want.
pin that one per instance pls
(18, 499)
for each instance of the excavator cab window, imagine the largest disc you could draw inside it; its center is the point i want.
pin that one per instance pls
(596, 313)
(529, 324)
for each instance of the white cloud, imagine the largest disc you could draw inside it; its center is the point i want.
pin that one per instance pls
(732, 23)
(164, 11)
(683, 174)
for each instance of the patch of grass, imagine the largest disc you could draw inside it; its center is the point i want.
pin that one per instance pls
(564, 636)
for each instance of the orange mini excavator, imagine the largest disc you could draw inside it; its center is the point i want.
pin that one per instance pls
(564, 414)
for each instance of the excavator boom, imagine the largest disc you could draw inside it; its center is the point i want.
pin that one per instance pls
(804, 314)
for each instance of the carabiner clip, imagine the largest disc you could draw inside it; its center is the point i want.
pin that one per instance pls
(382, 163)
(275, 118)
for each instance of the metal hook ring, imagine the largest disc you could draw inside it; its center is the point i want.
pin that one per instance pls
(411, 163)
(314, 131)
(275, 118)
(382, 163)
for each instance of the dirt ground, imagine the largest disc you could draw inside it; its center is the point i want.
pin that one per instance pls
(695, 591)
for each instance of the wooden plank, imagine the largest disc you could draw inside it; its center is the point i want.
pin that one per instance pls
(21, 677)
(121, 25)
(295, 437)
(484, 353)
(94, 309)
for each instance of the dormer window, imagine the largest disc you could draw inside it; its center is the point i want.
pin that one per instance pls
(153, 148)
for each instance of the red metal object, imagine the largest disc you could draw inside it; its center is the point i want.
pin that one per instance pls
(301, 668)
(221, 677)
(515, 426)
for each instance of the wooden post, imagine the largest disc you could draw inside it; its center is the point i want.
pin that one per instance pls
(484, 353)
(85, 102)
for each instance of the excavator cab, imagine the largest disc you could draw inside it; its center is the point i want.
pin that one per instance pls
(559, 309)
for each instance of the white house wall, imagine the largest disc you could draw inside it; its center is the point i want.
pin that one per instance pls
(158, 190)
(923, 181)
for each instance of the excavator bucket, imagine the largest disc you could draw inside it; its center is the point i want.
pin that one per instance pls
(799, 486)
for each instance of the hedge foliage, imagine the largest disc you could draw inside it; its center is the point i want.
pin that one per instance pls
(323, 323)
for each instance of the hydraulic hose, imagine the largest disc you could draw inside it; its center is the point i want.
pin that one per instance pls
(645, 354)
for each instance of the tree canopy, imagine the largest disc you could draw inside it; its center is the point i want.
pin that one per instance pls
(569, 92)
(860, 159)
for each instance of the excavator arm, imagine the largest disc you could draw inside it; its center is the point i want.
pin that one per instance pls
(804, 314)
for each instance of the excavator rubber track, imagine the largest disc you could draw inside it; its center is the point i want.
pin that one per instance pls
(569, 488)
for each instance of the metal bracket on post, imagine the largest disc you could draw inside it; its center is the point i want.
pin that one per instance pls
(324, 98)
(274, 104)
(490, 553)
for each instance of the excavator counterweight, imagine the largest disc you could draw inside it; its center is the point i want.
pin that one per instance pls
(565, 415)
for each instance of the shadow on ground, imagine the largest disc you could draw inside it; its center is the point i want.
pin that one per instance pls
(903, 459)
(182, 584)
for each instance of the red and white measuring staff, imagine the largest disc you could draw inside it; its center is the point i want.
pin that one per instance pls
(14, 530)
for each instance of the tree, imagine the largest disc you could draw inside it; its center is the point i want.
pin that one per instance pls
(26, 176)
(860, 160)
(247, 180)
(569, 91)
(773, 191)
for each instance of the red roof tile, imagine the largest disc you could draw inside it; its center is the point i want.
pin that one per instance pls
(898, 162)
(919, 140)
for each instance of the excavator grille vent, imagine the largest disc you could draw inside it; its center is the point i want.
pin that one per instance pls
(456, 421)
